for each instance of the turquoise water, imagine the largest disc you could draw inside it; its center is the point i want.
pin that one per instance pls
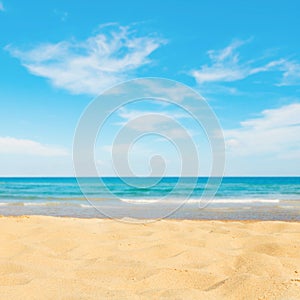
(268, 198)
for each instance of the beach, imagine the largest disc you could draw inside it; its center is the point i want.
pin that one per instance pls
(149, 150)
(44, 257)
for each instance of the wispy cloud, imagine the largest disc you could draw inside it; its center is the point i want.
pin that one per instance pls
(11, 145)
(2, 6)
(92, 65)
(291, 73)
(176, 92)
(168, 123)
(276, 132)
(131, 114)
(226, 66)
(63, 15)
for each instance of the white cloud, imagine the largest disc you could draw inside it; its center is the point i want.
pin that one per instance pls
(2, 7)
(291, 73)
(276, 133)
(171, 91)
(92, 65)
(167, 123)
(226, 66)
(63, 15)
(10, 145)
(131, 114)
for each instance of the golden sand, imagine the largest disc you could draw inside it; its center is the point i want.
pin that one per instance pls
(66, 258)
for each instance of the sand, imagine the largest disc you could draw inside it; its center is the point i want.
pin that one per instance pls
(66, 258)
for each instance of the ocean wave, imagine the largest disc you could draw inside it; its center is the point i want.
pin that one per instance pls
(160, 201)
(245, 200)
(42, 203)
(141, 201)
(35, 204)
(86, 205)
(200, 200)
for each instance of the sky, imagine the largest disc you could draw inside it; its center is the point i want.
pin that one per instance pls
(242, 57)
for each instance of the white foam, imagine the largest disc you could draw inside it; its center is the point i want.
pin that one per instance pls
(245, 200)
(199, 200)
(85, 205)
(42, 203)
(143, 201)
(33, 204)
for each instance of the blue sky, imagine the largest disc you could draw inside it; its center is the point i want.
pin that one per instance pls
(56, 56)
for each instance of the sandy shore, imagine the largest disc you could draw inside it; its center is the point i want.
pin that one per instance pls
(64, 258)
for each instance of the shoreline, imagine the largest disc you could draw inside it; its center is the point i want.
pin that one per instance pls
(139, 221)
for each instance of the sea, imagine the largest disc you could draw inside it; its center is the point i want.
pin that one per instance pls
(237, 198)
